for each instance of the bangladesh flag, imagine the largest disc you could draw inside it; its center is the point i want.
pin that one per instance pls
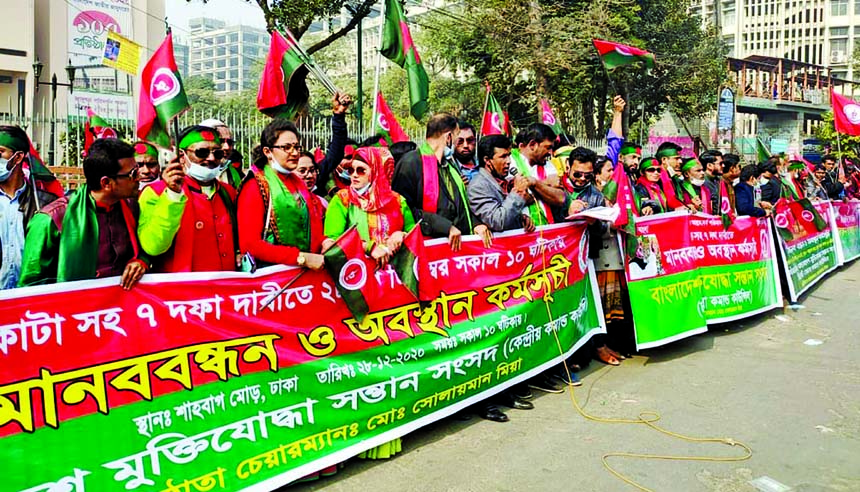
(614, 55)
(386, 123)
(94, 128)
(406, 261)
(398, 47)
(353, 273)
(496, 121)
(162, 97)
(283, 88)
(547, 117)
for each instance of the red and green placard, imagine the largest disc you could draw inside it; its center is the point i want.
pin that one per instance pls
(847, 217)
(807, 243)
(688, 271)
(188, 382)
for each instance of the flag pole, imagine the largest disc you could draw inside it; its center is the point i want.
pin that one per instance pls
(175, 120)
(378, 67)
(841, 172)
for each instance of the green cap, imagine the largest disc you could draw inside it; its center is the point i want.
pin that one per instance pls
(690, 164)
(796, 166)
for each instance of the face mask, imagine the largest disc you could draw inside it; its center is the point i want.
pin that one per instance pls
(204, 174)
(5, 172)
(449, 151)
(279, 168)
(363, 190)
(697, 182)
(736, 181)
(762, 181)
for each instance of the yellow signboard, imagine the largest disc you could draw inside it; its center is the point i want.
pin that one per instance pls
(121, 53)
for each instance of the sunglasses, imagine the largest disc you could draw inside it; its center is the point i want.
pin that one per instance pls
(203, 153)
(288, 147)
(133, 174)
(652, 170)
(360, 171)
(580, 175)
(229, 141)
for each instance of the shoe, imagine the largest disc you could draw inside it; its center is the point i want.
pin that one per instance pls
(542, 383)
(522, 392)
(492, 412)
(572, 381)
(511, 401)
(604, 355)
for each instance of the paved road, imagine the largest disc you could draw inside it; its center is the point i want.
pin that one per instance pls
(796, 405)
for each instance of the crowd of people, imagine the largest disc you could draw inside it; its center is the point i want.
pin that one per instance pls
(204, 211)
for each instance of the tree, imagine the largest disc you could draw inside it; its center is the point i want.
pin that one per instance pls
(846, 146)
(528, 49)
(297, 16)
(200, 91)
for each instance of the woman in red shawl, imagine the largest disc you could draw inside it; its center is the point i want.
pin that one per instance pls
(382, 216)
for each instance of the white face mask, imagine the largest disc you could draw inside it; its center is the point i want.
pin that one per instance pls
(204, 174)
(279, 168)
(5, 171)
(697, 182)
(363, 190)
(736, 181)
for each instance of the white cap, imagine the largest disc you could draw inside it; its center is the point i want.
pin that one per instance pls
(212, 123)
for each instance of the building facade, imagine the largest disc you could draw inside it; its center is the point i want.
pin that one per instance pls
(226, 54)
(819, 32)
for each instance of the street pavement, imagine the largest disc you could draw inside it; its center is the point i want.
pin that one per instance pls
(766, 382)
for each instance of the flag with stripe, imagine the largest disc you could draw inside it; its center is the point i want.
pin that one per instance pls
(283, 90)
(614, 55)
(496, 121)
(406, 262)
(353, 273)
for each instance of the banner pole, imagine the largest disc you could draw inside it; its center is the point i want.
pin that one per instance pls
(378, 67)
(486, 104)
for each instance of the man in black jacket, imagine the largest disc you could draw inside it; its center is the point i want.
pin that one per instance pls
(444, 209)
(831, 184)
(745, 194)
(771, 188)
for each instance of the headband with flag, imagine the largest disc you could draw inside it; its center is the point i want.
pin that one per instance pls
(648, 163)
(668, 152)
(14, 143)
(144, 148)
(630, 148)
(690, 164)
(198, 134)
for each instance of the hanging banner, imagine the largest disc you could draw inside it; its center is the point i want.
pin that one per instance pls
(847, 223)
(187, 382)
(89, 23)
(807, 243)
(688, 272)
(121, 53)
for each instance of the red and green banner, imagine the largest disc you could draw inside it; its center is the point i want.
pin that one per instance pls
(547, 117)
(496, 120)
(187, 382)
(162, 96)
(688, 271)
(397, 46)
(847, 217)
(386, 123)
(807, 243)
(283, 90)
(614, 55)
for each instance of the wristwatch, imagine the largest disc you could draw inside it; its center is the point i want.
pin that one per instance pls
(301, 260)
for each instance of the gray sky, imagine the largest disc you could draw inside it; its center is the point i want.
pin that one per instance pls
(230, 11)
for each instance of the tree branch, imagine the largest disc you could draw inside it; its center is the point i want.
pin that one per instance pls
(361, 12)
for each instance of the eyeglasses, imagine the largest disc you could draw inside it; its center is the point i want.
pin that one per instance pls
(132, 175)
(653, 170)
(229, 141)
(580, 175)
(288, 147)
(203, 153)
(360, 171)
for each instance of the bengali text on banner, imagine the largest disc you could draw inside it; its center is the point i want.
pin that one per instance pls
(187, 382)
(688, 272)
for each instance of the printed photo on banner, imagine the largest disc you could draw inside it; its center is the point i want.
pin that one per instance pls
(646, 263)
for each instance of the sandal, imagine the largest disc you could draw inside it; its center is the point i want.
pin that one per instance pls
(604, 355)
(616, 354)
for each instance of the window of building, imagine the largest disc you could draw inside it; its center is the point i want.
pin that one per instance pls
(221, 63)
(838, 7)
(234, 38)
(234, 86)
(195, 67)
(839, 50)
(838, 31)
(220, 39)
(222, 51)
(249, 38)
(220, 87)
(856, 6)
(208, 53)
(234, 74)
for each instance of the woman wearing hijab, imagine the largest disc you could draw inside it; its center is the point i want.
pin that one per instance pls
(382, 216)
(650, 190)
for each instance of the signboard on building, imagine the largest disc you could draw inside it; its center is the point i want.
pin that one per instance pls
(726, 110)
(109, 106)
(89, 23)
